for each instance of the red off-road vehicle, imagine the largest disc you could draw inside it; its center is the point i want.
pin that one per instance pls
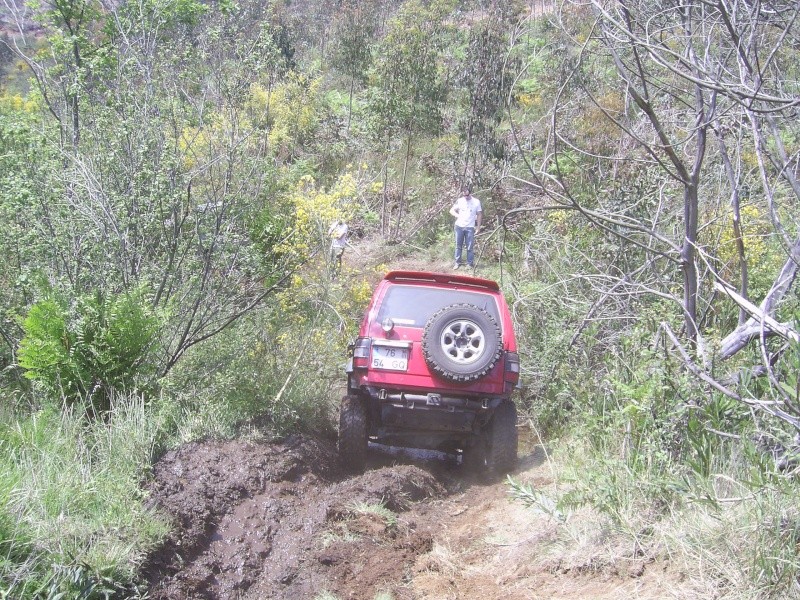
(433, 367)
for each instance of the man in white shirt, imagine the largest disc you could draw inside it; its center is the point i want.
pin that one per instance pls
(468, 213)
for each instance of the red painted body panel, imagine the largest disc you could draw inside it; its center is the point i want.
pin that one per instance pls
(419, 378)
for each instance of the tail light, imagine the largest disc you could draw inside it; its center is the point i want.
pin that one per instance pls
(512, 367)
(361, 352)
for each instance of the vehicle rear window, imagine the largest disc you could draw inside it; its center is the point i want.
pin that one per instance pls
(412, 305)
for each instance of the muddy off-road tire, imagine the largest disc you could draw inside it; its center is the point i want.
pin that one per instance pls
(461, 342)
(352, 434)
(502, 439)
(473, 459)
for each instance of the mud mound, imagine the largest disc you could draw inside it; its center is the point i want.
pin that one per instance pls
(260, 520)
(394, 487)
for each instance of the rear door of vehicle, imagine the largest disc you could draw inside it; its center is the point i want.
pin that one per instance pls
(397, 354)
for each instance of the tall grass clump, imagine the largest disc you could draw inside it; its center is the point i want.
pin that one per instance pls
(72, 514)
(745, 536)
(683, 473)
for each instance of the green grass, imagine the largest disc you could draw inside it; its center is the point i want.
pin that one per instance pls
(735, 531)
(72, 515)
(378, 509)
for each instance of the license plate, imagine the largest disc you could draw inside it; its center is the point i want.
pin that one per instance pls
(389, 358)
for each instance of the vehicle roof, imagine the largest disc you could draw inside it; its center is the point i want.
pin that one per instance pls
(423, 277)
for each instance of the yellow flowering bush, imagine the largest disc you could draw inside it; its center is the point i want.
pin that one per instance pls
(17, 103)
(754, 226)
(290, 110)
(559, 219)
(326, 317)
(528, 100)
(197, 144)
(315, 208)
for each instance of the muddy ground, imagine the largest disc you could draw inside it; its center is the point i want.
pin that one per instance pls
(279, 520)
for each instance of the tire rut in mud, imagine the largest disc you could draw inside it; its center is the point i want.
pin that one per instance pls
(277, 520)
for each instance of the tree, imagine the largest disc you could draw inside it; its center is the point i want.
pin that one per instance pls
(354, 32)
(686, 72)
(486, 79)
(160, 185)
(74, 28)
(407, 91)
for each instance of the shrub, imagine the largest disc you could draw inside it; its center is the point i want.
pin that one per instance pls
(86, 351)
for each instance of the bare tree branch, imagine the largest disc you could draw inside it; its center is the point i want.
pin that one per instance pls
(751, 329)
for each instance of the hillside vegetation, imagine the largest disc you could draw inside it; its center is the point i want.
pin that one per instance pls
(168, 173)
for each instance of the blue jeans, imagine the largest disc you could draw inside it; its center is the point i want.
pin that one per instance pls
(465, 236)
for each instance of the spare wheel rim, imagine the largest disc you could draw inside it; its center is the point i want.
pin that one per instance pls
(463, 341)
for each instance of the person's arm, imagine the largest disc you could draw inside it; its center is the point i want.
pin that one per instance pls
(454, 210)
(353, 248)
(478, 219)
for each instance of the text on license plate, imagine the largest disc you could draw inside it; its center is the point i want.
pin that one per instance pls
(393, 359)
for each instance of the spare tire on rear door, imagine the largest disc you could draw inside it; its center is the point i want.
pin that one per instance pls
(461, 342)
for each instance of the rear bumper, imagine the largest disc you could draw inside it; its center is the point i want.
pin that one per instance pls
(432, 400)
(396, 411)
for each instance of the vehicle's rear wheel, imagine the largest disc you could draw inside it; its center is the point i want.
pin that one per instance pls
(473, 459)
(502, 439)
(461, 342)
(353, 433)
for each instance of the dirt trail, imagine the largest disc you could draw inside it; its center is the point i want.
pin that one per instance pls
(278, 520)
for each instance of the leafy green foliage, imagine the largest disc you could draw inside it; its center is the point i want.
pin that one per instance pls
(486, 80)
(46, 352)
(72, 517)
(90, 350)
(354, 34)
(407, 88)
(23, 159)
(278, 369)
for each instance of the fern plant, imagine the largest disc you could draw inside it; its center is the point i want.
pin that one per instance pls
(85, 352)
